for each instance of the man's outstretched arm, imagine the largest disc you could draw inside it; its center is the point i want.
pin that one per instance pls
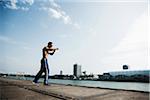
(51, 53)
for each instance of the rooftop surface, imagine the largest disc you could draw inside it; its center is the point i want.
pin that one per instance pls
(11, 89)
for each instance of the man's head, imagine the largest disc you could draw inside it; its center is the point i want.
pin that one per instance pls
(50, 44)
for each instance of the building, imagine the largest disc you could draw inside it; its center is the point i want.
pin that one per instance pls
(131, 76)
(125, 67)
(77, 70)
(61, 72)
(130, 73)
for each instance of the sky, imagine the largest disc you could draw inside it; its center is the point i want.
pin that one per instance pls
(99, 35)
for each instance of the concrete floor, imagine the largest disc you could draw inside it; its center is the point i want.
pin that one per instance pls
(24, 90)
(10, 92)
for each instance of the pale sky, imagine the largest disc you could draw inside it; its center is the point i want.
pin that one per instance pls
(99, 35)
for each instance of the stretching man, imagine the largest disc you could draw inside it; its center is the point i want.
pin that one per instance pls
(44, 63)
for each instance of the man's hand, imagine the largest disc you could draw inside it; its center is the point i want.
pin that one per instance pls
(56, 48)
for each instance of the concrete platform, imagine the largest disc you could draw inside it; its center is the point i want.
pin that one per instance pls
(11, 89)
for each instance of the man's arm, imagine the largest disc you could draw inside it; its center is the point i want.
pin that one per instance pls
(52, 49)
(51, 53)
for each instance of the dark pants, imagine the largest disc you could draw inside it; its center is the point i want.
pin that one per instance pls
(45, 69)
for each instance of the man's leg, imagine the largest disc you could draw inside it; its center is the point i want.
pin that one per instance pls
(38, 75)
(40, 72)
(46, 73)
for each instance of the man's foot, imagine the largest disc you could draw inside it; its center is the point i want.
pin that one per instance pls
(35, 83)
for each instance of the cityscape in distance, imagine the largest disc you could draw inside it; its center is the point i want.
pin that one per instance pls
(120, 76)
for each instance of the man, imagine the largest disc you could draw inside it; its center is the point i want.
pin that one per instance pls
(44, 63)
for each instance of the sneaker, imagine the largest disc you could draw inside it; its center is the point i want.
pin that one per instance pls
(35, 83)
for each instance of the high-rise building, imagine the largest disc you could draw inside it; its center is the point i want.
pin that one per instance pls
(61, 72)
(77, 70)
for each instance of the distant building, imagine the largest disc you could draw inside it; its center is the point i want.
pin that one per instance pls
(61, 72)
(131, 76)
(105, 76)
(77, 70)
(125, 67)
(137, 75)
(129, 73)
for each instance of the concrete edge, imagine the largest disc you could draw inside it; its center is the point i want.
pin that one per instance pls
(103, 88)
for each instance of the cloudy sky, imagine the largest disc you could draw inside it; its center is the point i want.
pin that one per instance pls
(99, 35)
